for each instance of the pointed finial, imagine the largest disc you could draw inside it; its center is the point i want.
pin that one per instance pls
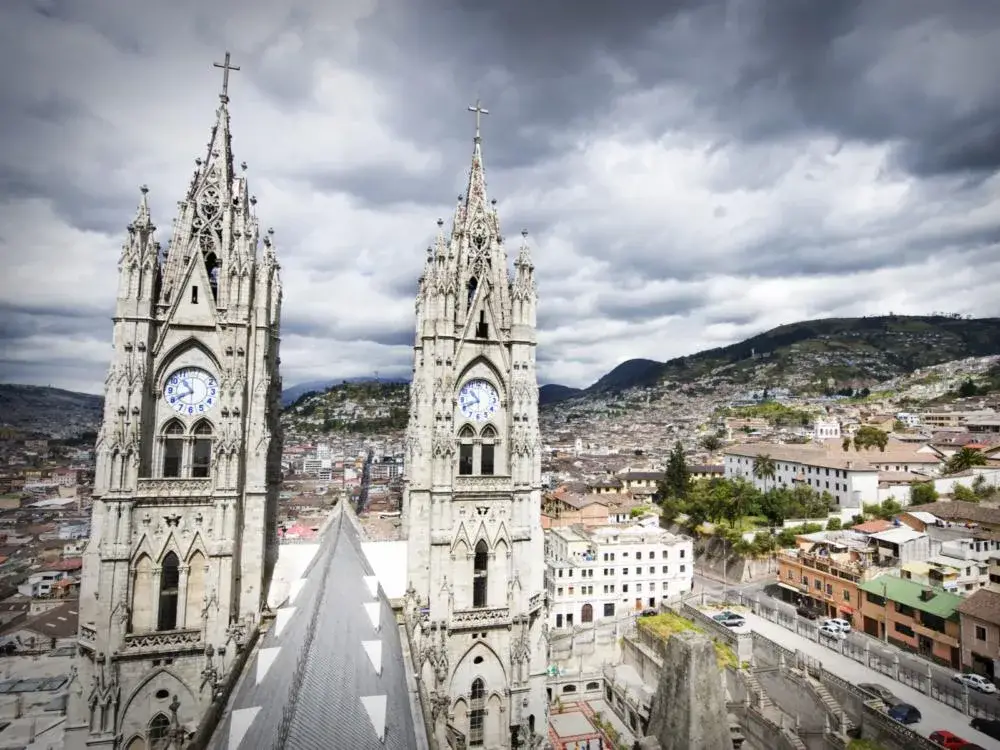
(479, 111)
(460, 198)
(524, 233)
(197, 161)
(243, 166)
(143, 189)
(440, 222)
(493, 201)
(270, 230)
(253, 200)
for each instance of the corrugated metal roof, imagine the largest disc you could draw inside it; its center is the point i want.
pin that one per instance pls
(330, 673)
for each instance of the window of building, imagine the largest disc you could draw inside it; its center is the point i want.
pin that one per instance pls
(479, 565)
(904, 629)
(173, 449)
(829, 589)
(587, 613)
(477, 712)
(170, 577)
(638, 587)
(980, 633)
(159, 729)
(609, 609)
(638, 555)
(201, 453)
(682, 568)
(664, 554)
(666, 569)
(847, 595)
(682, 554)
(624, 571)
(465, 451)
(624, 588)
(487, 450)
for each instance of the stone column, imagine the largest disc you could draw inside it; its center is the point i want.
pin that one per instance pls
(154, 604)
(182, 585)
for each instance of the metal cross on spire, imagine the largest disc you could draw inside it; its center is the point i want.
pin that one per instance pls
(226, 67)
(479, 111)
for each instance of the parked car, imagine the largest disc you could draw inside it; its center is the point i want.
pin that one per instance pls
(975, 681)
(843, 625)
(831, 631)
(881, 692)
(904, 713)
(649, 612)
(807, 612)
(989, 727)
(729, 619)
(948, 740)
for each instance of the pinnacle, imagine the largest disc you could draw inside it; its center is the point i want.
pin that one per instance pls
(142, 215)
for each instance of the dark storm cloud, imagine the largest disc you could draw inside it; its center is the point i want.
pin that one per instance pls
(375, 331)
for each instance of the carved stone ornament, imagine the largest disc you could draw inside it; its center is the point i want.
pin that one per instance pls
(440, 704)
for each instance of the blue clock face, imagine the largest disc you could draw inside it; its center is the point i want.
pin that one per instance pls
(478, 400)
(191, 391)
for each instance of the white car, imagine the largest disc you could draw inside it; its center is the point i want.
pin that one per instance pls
(976, 682)
(842, 625)
(831, 631)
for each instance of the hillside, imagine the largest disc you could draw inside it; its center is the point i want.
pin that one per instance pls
(49, 411)
(363, 407)
(293, 393)
(814, 355)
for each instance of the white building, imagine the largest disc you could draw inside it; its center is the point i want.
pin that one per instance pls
(908, 418)
(611, 571)
(826, 429)
(849, 480)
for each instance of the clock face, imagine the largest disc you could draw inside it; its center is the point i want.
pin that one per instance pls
(191, 391)
(478, 400)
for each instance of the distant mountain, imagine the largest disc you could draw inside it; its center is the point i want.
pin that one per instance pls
(811, 354)
(293, 393)
(50, 411)
(553, 393)
(359, 407)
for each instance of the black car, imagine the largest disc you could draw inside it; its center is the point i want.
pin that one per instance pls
(989, 727)
(881, 692)
(807, 612)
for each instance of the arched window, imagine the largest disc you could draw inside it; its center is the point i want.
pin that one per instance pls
(488, 450)
(465, 437)
(201, 454)
(587, 613)
(159, 733)
(479, 563)
(170, 579)
(173, 448)
(477, 712)
(212, 266)
(471, 289)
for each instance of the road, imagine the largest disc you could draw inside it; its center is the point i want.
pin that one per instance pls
(715, 587)
(941, 676)
(935, 715)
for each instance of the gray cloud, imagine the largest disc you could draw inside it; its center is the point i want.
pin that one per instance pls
(690, 171)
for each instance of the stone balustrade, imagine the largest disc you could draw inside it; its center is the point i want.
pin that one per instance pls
(166, 641)
(481, 484)
(173, 487)
(483, 617)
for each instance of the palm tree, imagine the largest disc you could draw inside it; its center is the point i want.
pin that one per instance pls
(764, 469)
(964, 459)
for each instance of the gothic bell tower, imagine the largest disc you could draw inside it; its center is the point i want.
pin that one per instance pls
(471, 506)
(183, 531)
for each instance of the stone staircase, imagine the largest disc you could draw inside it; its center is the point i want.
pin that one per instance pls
(833, 709)
(755, 688)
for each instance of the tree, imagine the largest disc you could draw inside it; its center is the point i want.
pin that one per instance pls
(676, 480)
(870, 437)
(845, 444)
(964, 458)
(764, 468)
(711, 443)
(922, 493)
(834, 524)
(964, 494)
(773, 506)
(967, 389)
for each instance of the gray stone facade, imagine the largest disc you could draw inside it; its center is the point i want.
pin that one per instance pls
(184, 519)
(471, 507)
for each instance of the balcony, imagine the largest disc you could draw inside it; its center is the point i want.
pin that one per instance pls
(482, 484)
(535, 603)
(173, 488)
(476, 619)
(87, 637)
(163, 642)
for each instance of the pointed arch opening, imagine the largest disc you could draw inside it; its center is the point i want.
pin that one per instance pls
(172, 448)
(587, 613)
(480, 565)
(201, 451)
(466, 437)
(170, 581)
(136, 743)
(487, 451)
(470, 289)
(159, 733)
(195, 594)
(477, 712)
(482, 327)
(212, 266)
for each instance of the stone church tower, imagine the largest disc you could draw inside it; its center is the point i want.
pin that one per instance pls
(471, 505)
(183, 533)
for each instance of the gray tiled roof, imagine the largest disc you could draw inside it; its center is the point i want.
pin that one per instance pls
(330, 673)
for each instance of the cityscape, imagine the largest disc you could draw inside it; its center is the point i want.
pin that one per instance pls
(525, 489)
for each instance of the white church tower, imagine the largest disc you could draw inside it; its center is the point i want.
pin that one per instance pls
(183, 533)
(471, 504)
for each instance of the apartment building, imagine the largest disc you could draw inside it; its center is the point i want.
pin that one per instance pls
(909, 615)
(824, 569)
(950, 418)
(979, 616)
(850, 480)
(594, 574)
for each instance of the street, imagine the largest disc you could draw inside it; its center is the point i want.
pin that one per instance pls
(912, 667)
(936, 715)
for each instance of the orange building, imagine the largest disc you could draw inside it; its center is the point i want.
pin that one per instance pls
(917, 617)
(561, 509)
(823, 573)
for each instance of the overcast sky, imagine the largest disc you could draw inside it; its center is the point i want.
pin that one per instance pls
(690, 172)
